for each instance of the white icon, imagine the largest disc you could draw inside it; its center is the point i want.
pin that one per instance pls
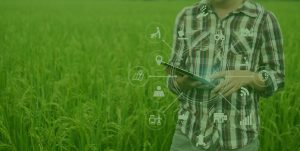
(203, 12)
(155, 120)
(183, 116)
(138, 76)
(220, 117)
(244, 91)
(200, 141)
(247, 120)
(156, 35)
(202, 15)
(158, 92)
(203, 8)
(219, 56)
(264, 75)
(219, 36)
(158, 59)
(181, 33)
(246, 60)
(246, 32)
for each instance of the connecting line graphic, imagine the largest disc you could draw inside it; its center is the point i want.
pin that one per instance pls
(172, 103)
(166, 44)
(153, 76)
(229, 102)
(241, 76)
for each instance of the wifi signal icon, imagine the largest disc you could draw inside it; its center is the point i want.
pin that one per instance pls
(244, 91)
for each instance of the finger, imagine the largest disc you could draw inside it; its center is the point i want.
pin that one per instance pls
(195, 84)
(218, 75)
(222, 85)
(233, 89)
(219, 87)
(227, 88)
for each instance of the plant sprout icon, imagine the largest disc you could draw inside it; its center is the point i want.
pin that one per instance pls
(203, 12)
(156, 34)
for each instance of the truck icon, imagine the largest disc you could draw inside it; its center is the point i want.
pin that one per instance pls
(219, 117)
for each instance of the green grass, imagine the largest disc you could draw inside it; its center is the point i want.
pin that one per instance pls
(64, 85)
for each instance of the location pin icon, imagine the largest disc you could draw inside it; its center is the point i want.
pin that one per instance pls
(158, 59)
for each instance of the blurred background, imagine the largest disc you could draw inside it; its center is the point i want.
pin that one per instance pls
(65, 68)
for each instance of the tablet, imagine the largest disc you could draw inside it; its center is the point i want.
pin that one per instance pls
(191, 75)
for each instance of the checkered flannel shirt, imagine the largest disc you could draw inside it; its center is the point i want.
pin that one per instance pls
(249, 38)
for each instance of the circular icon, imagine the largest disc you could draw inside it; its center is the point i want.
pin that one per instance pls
(155, 32)
(154, 61)
(155, 58)
(157, 91)
(138, 76)
(155, 119)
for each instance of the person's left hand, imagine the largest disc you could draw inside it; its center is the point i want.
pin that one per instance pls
(233, 81)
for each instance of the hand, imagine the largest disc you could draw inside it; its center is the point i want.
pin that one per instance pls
(186, 83)
(233, 81)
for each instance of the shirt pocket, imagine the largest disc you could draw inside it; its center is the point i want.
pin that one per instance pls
(240, 50)
(199, 52)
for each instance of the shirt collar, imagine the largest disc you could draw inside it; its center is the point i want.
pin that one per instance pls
(248, 8)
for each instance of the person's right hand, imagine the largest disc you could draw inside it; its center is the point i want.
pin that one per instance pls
(185, 83)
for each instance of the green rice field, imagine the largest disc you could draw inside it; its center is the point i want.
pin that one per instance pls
(64, 76)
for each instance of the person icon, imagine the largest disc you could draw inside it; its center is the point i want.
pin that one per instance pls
(156, 35)
(158, 92)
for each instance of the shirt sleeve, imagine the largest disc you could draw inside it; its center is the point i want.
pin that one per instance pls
(179, 46)
(271, 59)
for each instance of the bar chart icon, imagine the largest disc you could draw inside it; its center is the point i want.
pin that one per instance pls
(246, 121)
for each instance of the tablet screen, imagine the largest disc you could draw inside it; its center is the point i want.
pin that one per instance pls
(184, 72)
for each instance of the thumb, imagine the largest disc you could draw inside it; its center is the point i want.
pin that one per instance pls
(218, 75)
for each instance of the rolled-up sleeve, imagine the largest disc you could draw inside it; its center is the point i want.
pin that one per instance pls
(271, 55)
(179, 46)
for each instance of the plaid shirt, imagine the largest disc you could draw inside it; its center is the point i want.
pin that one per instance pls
(249, 38)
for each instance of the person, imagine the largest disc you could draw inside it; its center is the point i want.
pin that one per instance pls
(238, 45)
